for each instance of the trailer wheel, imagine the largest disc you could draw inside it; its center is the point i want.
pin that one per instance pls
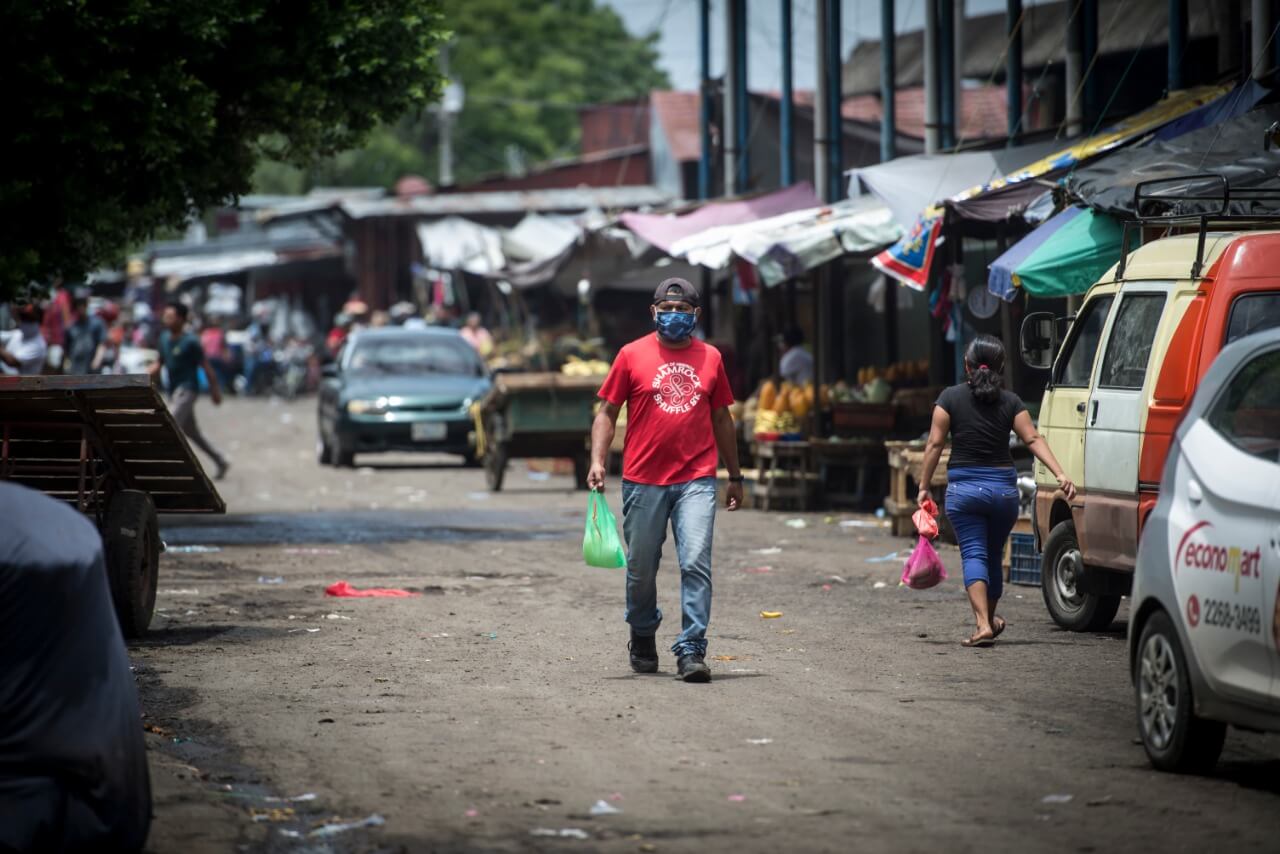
(131, 539)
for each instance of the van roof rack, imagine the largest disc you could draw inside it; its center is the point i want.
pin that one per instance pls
(1203, 200)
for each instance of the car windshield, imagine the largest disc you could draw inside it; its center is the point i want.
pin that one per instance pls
(415, 356)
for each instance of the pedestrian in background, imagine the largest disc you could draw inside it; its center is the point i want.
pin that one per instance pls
(982, 483)
(476, 335)
(182, 358)
(677, 398)
(83, 340)
(796, 364)
(23, 350)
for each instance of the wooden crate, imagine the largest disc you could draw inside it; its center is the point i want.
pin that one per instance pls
(905, 459)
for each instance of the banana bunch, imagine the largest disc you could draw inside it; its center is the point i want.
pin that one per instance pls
(575, 367)
(768, 421)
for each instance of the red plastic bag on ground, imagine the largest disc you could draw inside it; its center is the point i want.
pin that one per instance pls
(923, 568)
(346, 591)
(926, 519)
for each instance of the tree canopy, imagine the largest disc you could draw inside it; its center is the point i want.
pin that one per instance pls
(129, 116)
(527, 67)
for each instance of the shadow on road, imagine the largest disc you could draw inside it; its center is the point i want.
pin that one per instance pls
(359, 527)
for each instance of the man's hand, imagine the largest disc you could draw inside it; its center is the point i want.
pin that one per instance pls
(733, 496)
(595, 477)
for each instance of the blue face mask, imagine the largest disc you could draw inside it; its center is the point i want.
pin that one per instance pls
(676, 326)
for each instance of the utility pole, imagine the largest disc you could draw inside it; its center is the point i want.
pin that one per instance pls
(888, 83)
(446, 118)
(787, 143)
(732, 107)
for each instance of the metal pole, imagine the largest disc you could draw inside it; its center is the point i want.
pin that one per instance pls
(1260, 28)
(1074, 70)
(1013, 69)
(787, 105)
(946, 67)
(821, 140)
(835, 124)
(729, 114)
(1226, 21)
(704, 46)
(744, 102)
(888, 83)
(445, 177)
(1177, 42)
(931, 136)
(1089, 22)
(957, 70)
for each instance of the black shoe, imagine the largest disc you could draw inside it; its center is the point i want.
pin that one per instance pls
(644, 654)
(691, 668)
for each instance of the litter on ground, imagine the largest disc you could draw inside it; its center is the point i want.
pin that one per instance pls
(345, 590)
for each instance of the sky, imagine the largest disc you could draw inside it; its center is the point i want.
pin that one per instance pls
(677, 21)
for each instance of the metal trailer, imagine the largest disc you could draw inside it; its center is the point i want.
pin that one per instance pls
(537, 415)
(108, 446)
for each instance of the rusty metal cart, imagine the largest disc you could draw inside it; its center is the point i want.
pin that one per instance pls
(536, 415)
(108, 446)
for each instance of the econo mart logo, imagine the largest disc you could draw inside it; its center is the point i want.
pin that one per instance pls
(1211, 557)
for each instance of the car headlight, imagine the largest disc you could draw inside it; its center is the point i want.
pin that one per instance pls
(377, 406)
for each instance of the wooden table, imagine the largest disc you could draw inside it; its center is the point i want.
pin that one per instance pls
(905, 459)
(866, 457)
(785, 474)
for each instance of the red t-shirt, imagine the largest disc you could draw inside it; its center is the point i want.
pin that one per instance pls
(670, 394)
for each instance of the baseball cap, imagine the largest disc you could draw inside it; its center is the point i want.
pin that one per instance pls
(676, 289)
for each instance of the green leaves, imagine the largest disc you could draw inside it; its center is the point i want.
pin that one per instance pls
(128, 116)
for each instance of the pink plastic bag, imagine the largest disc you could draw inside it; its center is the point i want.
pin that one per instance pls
(924, 568)
(926, 519)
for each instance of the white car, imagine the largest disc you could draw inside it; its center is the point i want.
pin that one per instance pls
(1204, 638)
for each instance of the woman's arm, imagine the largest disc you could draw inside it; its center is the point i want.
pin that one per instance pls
(938, 431)
(1037, 445)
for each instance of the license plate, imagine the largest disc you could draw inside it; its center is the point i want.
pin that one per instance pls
(428, 431)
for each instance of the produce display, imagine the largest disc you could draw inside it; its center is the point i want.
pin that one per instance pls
(782, 410)
(576, 367)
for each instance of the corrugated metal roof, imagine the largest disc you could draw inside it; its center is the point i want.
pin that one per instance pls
(462, 204)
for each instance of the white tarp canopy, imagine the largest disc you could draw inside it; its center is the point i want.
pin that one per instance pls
(908, 185)
(793, 243)
(454, 243)
(212, 264)
(538, 237)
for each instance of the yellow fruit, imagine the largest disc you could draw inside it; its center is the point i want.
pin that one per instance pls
(768, 394)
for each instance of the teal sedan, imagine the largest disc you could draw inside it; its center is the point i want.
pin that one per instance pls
(396, 389)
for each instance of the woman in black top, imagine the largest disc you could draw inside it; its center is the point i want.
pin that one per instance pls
(982, 485)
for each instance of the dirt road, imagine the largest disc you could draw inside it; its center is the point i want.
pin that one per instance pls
(498, 707)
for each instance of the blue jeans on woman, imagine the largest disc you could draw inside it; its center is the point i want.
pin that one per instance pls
(982, 504)
(691, 509)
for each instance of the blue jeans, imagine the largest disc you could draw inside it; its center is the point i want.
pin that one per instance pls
(982, 504)
(691, 509)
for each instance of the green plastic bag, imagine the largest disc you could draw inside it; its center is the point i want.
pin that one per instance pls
(600, 543)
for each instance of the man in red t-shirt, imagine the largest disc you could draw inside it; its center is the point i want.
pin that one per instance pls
(677, 398)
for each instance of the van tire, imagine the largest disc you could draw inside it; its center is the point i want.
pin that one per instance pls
(1060, 569)
(1174, 738)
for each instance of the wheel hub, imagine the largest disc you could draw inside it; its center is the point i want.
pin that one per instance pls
(1066, 576)
(1158, 691)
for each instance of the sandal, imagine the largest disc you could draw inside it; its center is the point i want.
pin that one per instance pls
(978, 642)
(996, 631)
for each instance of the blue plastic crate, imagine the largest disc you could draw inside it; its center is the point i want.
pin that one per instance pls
(1024, 560)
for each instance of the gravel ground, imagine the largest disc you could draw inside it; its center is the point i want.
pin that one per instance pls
(498, 705)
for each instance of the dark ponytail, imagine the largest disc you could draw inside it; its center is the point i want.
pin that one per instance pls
(984, 359)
